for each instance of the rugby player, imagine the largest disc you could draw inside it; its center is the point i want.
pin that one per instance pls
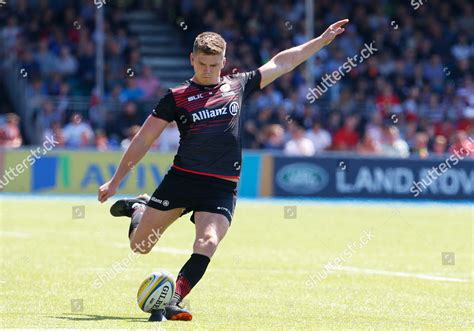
(203, 178)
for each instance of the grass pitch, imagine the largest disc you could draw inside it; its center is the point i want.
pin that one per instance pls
(66, 264)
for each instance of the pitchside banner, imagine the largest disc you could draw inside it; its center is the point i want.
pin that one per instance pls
(66, 171)
(435, 179)
(78, 172)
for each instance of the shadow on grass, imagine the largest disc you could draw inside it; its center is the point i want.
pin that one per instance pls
(89, 317)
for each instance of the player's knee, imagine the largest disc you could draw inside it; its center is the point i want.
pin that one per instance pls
(144, 245)
(140, 248)
(207, 242)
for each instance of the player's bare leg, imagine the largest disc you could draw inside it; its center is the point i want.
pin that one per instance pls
(146, 228)
(150, 223)
(210, 230)
(147, 224)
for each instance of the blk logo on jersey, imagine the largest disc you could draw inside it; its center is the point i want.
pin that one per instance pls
(198, 96)
(195, 97)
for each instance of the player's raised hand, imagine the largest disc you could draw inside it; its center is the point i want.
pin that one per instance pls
(334, 30)
(106, 191)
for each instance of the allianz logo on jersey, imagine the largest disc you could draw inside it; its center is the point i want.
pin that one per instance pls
(212, 113)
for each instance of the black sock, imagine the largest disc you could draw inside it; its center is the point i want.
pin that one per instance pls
(189, 275)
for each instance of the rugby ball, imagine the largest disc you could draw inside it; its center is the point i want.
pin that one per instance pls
(156, 291)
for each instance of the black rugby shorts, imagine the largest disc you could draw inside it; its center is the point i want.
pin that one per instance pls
(180, 189)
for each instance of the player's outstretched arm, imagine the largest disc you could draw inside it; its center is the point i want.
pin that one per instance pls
(289, 59)
(140, 144)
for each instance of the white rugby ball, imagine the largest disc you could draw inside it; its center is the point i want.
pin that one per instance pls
(156, 291)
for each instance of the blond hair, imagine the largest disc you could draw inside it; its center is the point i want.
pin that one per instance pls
(209, 43)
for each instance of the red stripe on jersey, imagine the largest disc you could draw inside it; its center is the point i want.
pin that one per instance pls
(205, 173)
(213, 121)
(184, 89)
(216, 101)
(204, 102)
(182, 95)
(207, 105)
(183, 98)
(206, 126)
(213, 132)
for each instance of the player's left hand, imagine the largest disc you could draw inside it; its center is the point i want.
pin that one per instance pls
(334, 30)
(106, 191)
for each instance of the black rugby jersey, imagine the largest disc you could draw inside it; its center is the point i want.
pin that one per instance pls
(208, 119)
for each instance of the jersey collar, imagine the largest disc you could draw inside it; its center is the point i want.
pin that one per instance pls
(206, 87)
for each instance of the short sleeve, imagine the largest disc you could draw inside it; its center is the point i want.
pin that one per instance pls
(165, 108)
(251, 82)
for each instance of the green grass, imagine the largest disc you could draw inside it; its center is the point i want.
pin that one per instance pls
(258, 278)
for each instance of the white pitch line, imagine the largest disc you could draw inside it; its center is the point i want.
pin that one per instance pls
(398, 274)
(15, 234)
(171, 250)
(121, 245)
(160, 249)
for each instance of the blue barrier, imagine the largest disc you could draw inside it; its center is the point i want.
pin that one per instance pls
(249, 185)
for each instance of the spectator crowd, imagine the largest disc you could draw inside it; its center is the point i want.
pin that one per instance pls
(415, 96)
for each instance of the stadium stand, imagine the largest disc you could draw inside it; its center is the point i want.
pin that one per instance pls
(414, 97)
